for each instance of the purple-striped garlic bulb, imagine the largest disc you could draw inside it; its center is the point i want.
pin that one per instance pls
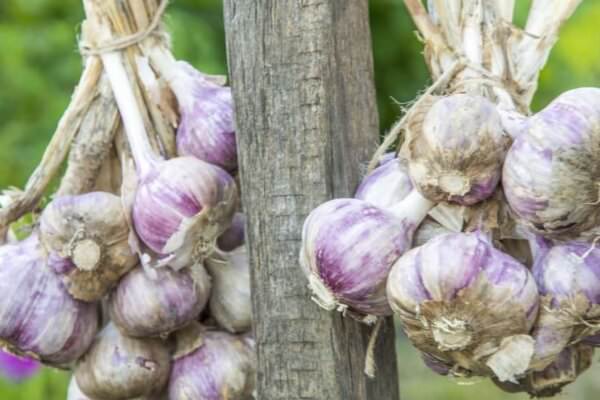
(207, 125)
(550, 175)
(91, 233)
(206, 128)
(456, 154)
(466, 304)
(233, 237)
(568, 278)
(38, 317)
(118, 367)
(230, 300)
(181, 205)
(564, 370)
(349, 246)
(386, 185)
(157, 301)
(212, 365)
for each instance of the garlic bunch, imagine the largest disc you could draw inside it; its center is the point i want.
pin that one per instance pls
(467, 305)
(118, 367)
(230, 301)
(550, 175)
(157, 301)
(38, 318)
(90, 231)
(456, 154)
(211, 365)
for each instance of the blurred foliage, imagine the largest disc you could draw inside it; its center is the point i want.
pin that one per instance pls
(40, 65)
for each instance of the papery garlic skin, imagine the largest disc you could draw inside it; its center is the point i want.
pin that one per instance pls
(568, 278)
(230, 300)
(91, 232)
(565, 369)
(38, 318)
(550, 175)
(457, 154)
(158, 301)
(73, 391)
(182, 206)
(118, 367)
(458, 296)
(348, 248)
(206, 129)
(233, 237)
(220, 366)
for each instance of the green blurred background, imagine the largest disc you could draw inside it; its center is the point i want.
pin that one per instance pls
(39, 66)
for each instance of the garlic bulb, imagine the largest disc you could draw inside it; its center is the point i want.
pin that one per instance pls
(213, 366)
(206, 128)
(386, 185)
(550, 176)
(38, 318)
(466, 304)
(457, 153)
(157, 301)
(182, 207)
(349, 246)
(90, 231)
(118, 367)
(571, 362)
(389, 184)
(568, 278)
(230, 300)
(233, 237)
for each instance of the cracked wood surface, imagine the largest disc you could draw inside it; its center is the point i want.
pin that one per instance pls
(302, 78)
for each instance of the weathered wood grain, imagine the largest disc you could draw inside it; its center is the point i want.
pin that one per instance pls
(307, 123)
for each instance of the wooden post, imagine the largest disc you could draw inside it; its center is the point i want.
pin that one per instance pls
(307, 123)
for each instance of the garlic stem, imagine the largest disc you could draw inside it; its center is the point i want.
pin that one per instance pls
(130, 113)
(413, 207)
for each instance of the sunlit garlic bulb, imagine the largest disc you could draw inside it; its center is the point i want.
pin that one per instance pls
(158, 301)
(38, 317)
(212, 365)
(118, 367)
(457, 153)
(467, 305)
(91, 233)
(551, 172)
(230, 301)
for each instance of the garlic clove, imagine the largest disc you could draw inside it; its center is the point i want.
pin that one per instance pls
(230, 300)
(91, 232)
(118, 367)
(160, 301)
